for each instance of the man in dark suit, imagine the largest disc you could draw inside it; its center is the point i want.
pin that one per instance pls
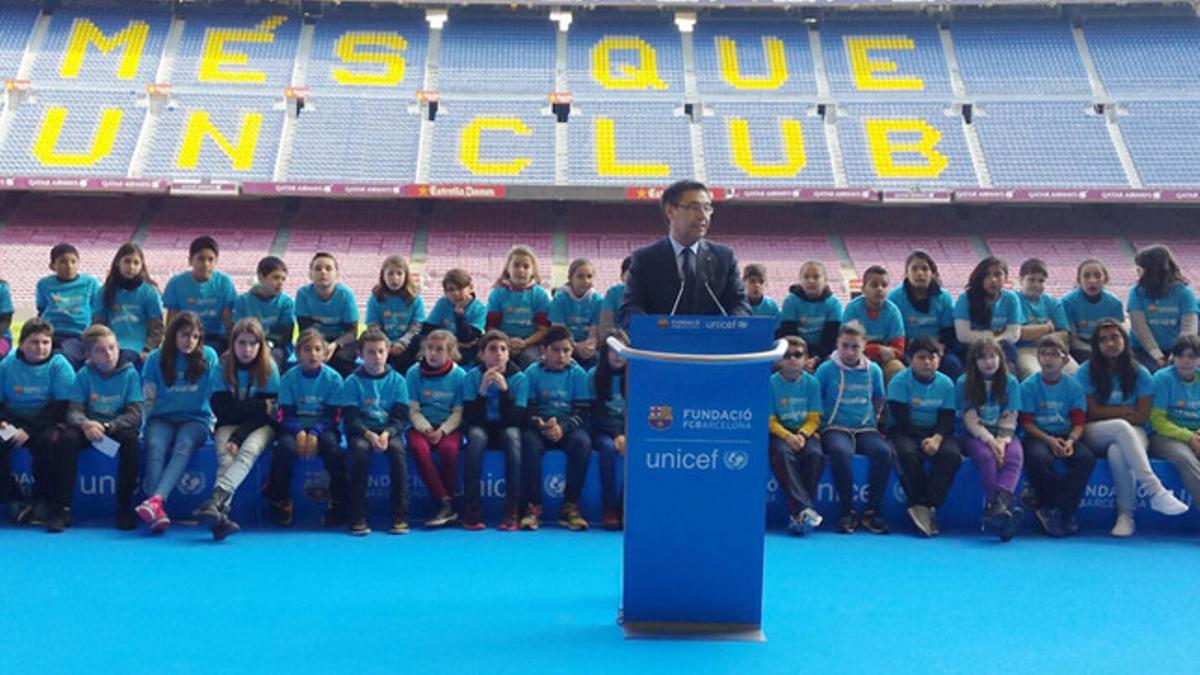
(684, 273)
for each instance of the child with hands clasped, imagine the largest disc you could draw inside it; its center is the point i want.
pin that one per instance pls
(1044, 315)
(1053, 413)
(459, 312)
(495, 410)
(988, 400)
(308, 399)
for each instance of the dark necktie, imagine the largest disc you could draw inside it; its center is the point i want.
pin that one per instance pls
(689, 270)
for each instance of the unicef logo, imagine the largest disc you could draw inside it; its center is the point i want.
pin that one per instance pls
(192, 483)
(736, 460)
(554, 485)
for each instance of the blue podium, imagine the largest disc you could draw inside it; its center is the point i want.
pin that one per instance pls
(698, 402)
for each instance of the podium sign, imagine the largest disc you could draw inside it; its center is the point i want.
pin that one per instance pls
(695, 500)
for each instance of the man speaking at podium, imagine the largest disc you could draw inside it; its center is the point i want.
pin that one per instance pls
(684, 273)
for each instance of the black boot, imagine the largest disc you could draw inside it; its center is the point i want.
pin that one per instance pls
(1008, 525)
(212, 509)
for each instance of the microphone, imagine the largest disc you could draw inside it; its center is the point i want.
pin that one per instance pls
(704, 277)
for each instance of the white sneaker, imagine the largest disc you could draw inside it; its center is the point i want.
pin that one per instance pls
(1125, 526)
(811, 519)
(1167, 503)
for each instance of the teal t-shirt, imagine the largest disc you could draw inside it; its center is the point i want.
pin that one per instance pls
(209, 299)
(105, 397)
(924, 399)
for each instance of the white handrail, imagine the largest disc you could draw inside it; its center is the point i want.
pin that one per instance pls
(773, 354)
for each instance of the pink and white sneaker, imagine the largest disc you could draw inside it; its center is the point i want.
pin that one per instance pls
(151, 511)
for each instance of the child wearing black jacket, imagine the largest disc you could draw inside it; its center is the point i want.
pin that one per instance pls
(495, 400)
(245, 410)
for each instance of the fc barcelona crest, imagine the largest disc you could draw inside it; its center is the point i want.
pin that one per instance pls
(660, 417)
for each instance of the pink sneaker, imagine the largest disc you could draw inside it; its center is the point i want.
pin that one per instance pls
(151, 509)
(160, 524)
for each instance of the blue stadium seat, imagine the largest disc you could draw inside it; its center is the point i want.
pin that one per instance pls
(650, 135)
(1018, 56)
(765, 128)
(16, 24)
(499, 55)
(1163, 138)
(1047, 144)
(269, 64)
(589, 31)
(97, 69)
(750, 37)
(530, 138)
(226, 113)
(923, 118)
(354, 139)
(79, 136)
(1138, 55)
(381, 26)
(915, 48)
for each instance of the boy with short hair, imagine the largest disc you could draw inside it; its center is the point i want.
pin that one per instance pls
(204, 290)
(795, 446)
(754, 276)
(107, 402)
(558, 412)
(375, 411)
(35, 385)
(495, 409)
(65, 300)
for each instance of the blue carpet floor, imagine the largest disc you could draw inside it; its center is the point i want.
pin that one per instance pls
(102, 601)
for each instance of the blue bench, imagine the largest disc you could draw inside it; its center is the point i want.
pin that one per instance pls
(96, 487)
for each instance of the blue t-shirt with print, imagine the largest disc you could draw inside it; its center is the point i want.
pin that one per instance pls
(443, 316)
(315, 396)
(810, 316)
(437, 395)
(613, 298)
(25, 388)
(577, 314)
(518, 386)
(615, 405)
(1044, 309)
(849, 396)
(104, 397)
(209, 299)
(518, 309)
(67, 305)
(129, 314)
(332, 315)
(793, 400)
(928, 324)
(1143, 385)
(394, 314)
(1180, 400)
(1164, 315)
(1083, 314)
(1006, 310)
(183, 399)
(552, 393)
(924, 399)
(279, 310)
(1051, 404)
(885, 327)
(6, 307)
(375, 396)
(991, 410)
